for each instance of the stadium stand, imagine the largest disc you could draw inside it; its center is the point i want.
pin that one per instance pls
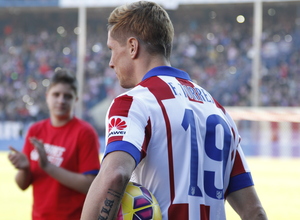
(209, 44)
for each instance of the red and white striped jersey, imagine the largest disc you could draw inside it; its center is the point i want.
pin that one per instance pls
(186, 147)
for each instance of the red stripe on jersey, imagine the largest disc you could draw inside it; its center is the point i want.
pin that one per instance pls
(204, 212)
(185, 82)
(121, 106)
(148, 134)
(115, 138)
(238, 167)
(232, 130)
(181, 211)
(162, 91)
(195, 96)
(220, 106)
(178, 211)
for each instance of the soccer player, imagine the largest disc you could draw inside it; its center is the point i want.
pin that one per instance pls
(166, 133)
(60, 158)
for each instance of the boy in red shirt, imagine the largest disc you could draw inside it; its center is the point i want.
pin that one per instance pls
(60, 157)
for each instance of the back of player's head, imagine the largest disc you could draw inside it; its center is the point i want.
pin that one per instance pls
(146, 21)
(64, 76)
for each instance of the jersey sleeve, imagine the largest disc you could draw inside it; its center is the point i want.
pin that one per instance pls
(89, 146)
(240, 175)
(126, 125)
(125, 147)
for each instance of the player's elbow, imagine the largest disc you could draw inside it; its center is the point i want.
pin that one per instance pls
(257, 213)
(121, 176)
(118, 167)
(261, 214)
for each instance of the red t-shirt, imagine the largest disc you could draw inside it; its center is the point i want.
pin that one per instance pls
(75, 147)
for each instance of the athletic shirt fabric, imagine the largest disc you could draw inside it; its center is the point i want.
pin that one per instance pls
(75, 147)
(186, 147)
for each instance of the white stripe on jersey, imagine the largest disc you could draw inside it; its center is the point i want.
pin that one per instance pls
(188, 145)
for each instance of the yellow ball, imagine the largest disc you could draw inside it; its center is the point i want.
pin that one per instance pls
(138, 203)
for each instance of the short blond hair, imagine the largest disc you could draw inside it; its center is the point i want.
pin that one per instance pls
(146, 21)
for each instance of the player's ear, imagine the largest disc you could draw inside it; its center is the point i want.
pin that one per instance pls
(133, 45)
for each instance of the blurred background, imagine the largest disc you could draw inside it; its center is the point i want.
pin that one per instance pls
(246, 54)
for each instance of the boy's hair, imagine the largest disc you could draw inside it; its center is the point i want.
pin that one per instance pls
(64, 76)
(146, 21)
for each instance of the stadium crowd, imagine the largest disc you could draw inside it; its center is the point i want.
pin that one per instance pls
(209, 44)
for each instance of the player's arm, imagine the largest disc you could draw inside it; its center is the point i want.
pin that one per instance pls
(247, 204)
(105, 193)
(20, 161)
(73, 180)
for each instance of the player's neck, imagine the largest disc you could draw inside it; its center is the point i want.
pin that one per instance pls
(149, 62)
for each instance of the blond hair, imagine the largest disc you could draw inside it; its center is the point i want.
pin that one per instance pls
(146, 21)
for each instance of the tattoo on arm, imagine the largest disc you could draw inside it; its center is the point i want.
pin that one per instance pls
(108, 204)
(114, 193)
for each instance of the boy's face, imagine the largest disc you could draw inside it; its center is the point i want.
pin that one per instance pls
(61, 99)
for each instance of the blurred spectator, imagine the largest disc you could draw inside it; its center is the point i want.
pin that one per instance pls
(218, 56)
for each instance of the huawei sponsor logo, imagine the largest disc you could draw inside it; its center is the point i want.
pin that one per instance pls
(117, 127)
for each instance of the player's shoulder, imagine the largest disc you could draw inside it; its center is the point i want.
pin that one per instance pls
(137, 94)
